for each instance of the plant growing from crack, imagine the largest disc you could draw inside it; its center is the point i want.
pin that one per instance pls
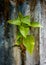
(23, 26)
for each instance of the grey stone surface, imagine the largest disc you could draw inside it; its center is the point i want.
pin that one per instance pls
(43, 36)
(2, 41)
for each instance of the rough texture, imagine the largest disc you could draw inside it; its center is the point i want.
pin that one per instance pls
(13, 56)
(43, 35)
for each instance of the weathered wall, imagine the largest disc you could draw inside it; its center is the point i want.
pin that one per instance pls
(43, 35)
(8, 34)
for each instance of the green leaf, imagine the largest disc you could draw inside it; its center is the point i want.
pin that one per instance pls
(20, 15)
(26, 20)
(29, 43)
(35, 24)
(27, 17)
(15, 21)
(19, 38)
(24, 31)
(19, 41)
(18, 35)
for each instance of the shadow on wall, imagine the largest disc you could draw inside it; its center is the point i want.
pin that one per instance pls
(5, 57)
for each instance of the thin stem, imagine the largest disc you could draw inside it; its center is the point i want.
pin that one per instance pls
(14, 46)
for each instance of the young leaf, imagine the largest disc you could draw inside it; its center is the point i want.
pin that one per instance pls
(35, 24)
(24, 31)
(18, 35)
(26, 20)
(20, 15)
(29, 43)
(15, 21)
(19, 41)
